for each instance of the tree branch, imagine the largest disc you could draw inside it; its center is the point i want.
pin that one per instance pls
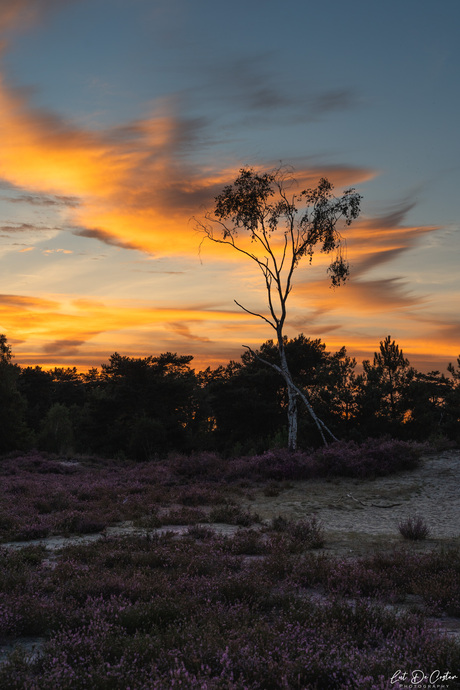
(253, 313)
(289, 382)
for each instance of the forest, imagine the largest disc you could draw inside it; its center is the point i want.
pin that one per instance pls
(142, 408)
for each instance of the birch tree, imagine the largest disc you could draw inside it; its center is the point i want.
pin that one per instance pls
(263, 218)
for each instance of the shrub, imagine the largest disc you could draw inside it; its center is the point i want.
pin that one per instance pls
(31, 533)
(184, 516)
(167, 612)
(414, 528)
(374, 457)
(246, 541)
(200, 496)
(232, 515)
(306, 533)
(280, 524)
(200, 532)
(309, 533)
(272, 490)
(203, 465)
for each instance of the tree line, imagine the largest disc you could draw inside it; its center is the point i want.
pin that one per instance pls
(147, 407)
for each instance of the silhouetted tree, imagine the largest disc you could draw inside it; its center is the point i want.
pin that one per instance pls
(455, 372)
(381, 387)
(139, 406)
(426, 402)
(37, 388)
(68, 386)
(248, 400)
(245, 406)
(453, 402)
(392, 364)
(284, 228)
(57, 430)
(14, 433)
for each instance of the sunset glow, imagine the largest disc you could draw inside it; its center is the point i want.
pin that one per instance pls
(106, 160)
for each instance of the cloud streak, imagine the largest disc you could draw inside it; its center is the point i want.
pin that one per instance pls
(43, 200)
(265, 95)
(135, 187)
(62, 327)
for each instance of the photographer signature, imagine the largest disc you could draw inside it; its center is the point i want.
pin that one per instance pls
(417, 676)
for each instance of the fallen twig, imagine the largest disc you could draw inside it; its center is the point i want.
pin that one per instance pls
(373, 505)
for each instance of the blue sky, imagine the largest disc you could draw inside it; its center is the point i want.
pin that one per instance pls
(121, 119)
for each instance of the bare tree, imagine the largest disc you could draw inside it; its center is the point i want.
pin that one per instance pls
(282, 227)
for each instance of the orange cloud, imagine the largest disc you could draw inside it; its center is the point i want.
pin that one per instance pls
(130, 186)
(365, 311)
(54, 331)
(134, 187)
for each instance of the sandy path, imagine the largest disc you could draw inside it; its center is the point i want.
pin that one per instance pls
(369, 511)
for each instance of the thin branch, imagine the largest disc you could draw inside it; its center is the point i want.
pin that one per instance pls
(253, 313)
(268, 284)
(284, 251)
(231, 243)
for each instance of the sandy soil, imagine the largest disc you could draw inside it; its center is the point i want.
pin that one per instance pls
(361, 516)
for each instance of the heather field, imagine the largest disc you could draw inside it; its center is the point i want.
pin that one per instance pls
(204, 572)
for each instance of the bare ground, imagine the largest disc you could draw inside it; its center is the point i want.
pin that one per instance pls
(360, 516)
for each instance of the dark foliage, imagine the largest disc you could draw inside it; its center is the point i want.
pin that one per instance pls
(147, 408)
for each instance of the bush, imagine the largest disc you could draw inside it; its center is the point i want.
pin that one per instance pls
(374, 457)
(144, 613)
(232, 515)
(303, 534)
(414, 528)
(308, 533)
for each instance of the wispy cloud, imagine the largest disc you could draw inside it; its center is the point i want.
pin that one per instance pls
(63, 347)
(136, 186)
(106, 237)
(10, 303)
(263, 94)
(13, 228)
(184, 331)
(43, 200)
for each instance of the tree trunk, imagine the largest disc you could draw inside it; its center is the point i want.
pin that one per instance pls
(293, 393)
(292, 420)
(292, 397)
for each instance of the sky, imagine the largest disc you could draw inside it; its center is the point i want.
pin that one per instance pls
(121, 120)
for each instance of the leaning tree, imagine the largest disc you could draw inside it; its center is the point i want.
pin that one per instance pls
(282, 227)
